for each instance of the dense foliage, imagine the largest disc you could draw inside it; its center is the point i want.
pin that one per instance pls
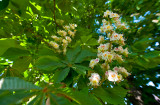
(34, 70)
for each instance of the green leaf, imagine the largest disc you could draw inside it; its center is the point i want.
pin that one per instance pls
(92, 42)
(15, 52)
(49, 63)
(142, 44)
(19, 6)
(82, 97)
(113, 95)
(14, 83)
(83, 55)
(85, 98)
(72, 53)
(80, 69)
(8, 43)
(36, 100)
(152, 54)
(85, 38)
(60, 75)
(10, 98)
(57, 100)
(21, 64)
(4, 4)
(44, 50)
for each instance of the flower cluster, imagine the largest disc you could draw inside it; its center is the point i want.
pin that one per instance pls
(108, 53)
(63, 38)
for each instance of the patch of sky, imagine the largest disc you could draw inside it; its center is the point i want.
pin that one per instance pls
(147, 13)
(98, 31)
(97, 15)
(150, 83)
(97, 22)
(1, 74)
(134, 76)
(156, 43)
(107, 2)
(158, 75)
(147, 78)
(144, 25)
(151, 49)
(75, 85)
(141, 86)
(158, 87)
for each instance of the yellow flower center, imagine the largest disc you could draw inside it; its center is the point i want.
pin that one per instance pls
(113, 75)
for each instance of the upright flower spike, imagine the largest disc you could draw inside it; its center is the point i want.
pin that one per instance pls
(108, 53)
(64, 37)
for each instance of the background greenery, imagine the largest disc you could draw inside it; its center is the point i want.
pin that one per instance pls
(29, 67)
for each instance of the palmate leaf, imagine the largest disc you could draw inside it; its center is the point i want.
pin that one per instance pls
(9, 43)
(12, 53)
(15, 83)
(58, 100)
(77, 55)
(111, 95)
(8, 98)
(21, 64)
(49, 63)
(80, 69)
(72, 53)
(60, 75)
(83, 55)
(82, 97)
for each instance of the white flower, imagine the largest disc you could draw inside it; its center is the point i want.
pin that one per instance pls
(64, 50)
(123, 71)
(114, 37)
(103, 47)
(112, 76)
(66, 27)
(116, 68)
(101, 39)
(93, 62)
(94, 79)
(119, 49)
(105, 56)
(110, 57)
(72, 34)
(107, 13)
(54, 44)
(56, 38)
(104, 66)
(114, 15)
(72, 26)
(125, 52)
(62, 33)
(64, 43)
(119, 76)
(100, 55)
(118, 58)
(68, 39)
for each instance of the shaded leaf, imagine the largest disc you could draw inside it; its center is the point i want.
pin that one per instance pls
(15, 83)
(60, 75)
(49, 63)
